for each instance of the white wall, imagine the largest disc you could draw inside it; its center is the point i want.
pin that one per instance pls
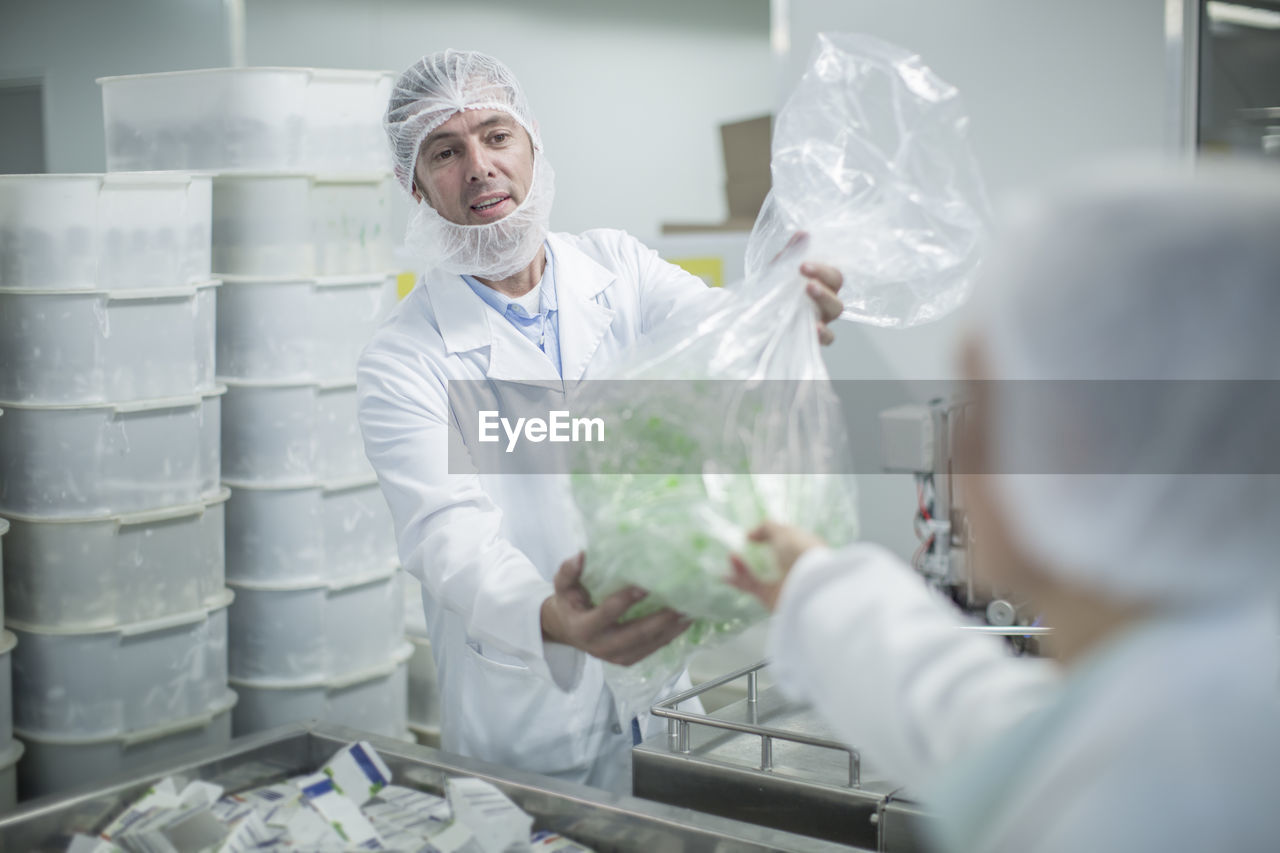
(21, 109)
(1049, 84)
(69, 43)
(627, 95)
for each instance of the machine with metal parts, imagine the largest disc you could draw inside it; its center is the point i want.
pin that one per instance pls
(921, 440)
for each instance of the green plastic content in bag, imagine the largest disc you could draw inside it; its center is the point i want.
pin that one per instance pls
(681, 481)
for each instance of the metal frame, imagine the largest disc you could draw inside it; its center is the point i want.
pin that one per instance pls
(678, 723)
(235, 32)
(1009, 630)
(1182, 19)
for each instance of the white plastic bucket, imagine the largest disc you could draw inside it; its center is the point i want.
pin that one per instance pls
(87, 574)
(54, 764)
(301, 225)
(130, 678)
(108, 458)
(7, 643)
(424, 690)
(9, 757)
(299, 329)
(307, 535)
(372, 701)
(4, 528)
(285, 434)
(104, 232)
(315, 634)
(106, 346)
(261, 119)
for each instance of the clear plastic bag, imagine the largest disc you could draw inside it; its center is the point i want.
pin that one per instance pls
(734, 419)
(725, 421)
(871, 157)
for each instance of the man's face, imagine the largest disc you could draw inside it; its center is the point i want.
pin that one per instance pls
(475, 168)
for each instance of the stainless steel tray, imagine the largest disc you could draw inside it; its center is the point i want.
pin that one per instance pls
(600, 820)
(769, 761)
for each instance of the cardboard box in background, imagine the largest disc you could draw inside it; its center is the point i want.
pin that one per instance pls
(732, 224)
(745, 198)
(746, 146)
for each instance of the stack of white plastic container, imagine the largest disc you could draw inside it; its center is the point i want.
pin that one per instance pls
(424, 691)
(109, 458)
(10, 749)
(301, 214)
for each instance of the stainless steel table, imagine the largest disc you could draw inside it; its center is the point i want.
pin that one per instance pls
(600, 820)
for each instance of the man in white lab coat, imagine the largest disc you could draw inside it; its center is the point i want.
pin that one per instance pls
(518, 643)
(1137, 518)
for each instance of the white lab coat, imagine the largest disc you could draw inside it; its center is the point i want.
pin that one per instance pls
(879, 655)
(485, 547)
(1165, 740)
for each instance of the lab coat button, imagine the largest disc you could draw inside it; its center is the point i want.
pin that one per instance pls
(617, 729)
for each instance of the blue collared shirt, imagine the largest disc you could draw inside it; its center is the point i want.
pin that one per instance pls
(543, 328)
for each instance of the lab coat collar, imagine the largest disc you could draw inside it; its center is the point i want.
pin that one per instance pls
(466, 322)
(461, 315)
(583, 320)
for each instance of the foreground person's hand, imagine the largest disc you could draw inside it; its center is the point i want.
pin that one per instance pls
(787, 545)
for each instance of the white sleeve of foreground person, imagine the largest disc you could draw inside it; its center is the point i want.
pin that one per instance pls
(882, 660)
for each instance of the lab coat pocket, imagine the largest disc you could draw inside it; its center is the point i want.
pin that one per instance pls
(512, 716)
(495, 658)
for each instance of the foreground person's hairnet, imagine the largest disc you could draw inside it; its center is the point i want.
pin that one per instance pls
(425, 96)
(1152, 490)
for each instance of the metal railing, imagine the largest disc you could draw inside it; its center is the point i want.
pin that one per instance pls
(678, 722)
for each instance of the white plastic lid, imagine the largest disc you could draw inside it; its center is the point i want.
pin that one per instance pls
(400, 657)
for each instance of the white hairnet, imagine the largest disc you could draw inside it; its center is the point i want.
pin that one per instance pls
(495, 250)
(437, 87)
(1170, 281)
(428, 94)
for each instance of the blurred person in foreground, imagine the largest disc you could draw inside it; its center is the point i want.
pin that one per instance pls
(1143, 534)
